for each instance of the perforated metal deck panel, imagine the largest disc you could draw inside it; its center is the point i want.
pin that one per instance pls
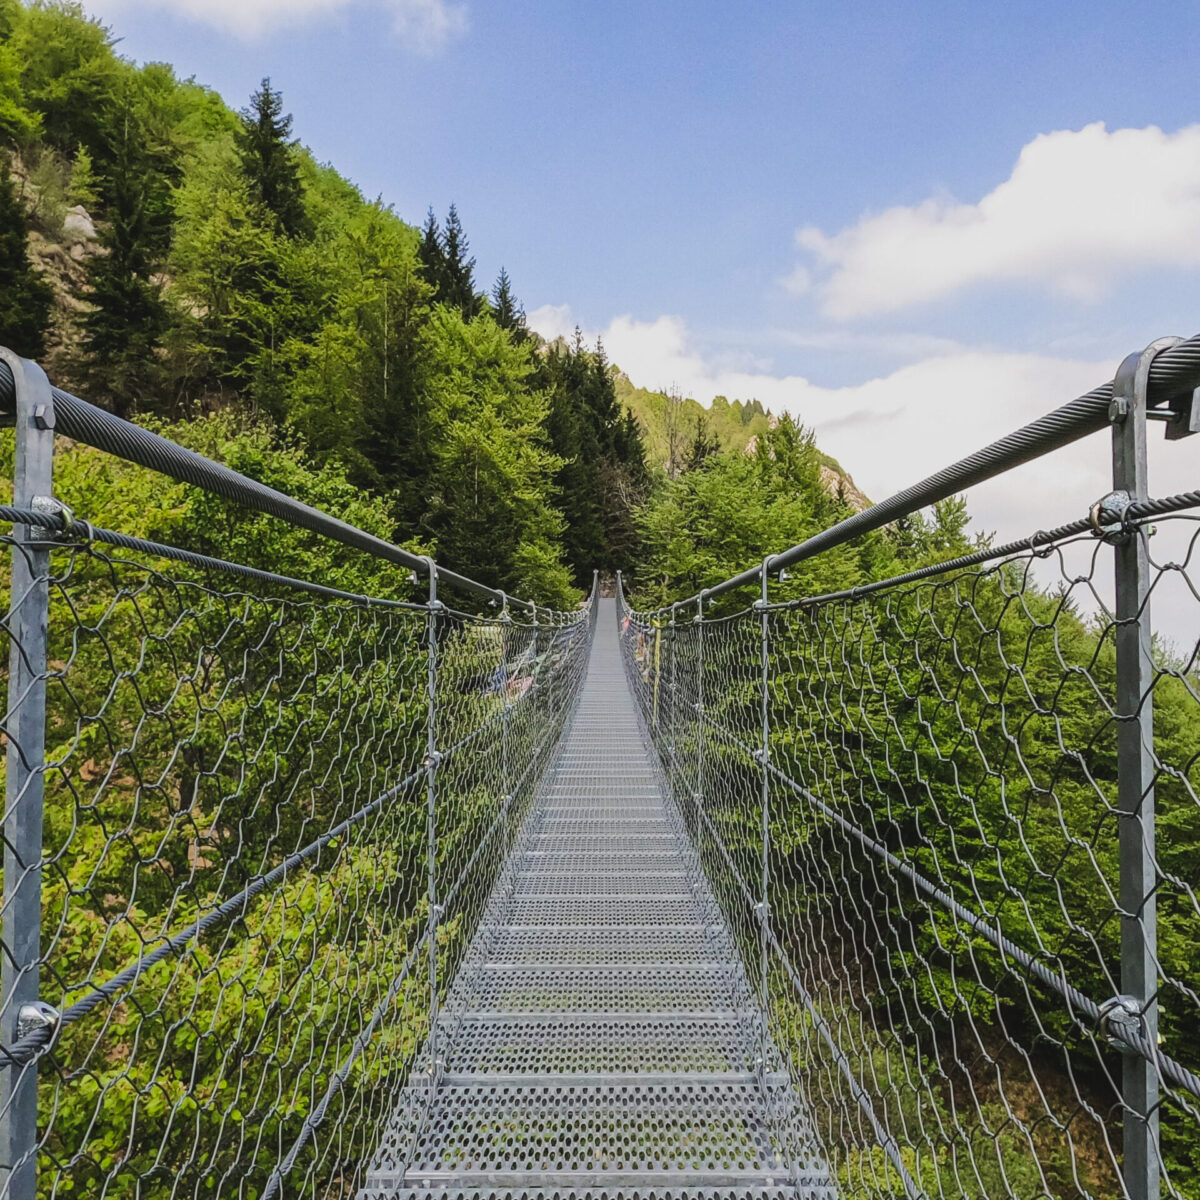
(601, 1038)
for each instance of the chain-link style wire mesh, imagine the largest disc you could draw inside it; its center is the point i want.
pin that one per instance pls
(906, 803)
(252, 797)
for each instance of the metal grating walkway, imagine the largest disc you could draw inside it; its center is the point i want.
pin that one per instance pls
(601, 1038)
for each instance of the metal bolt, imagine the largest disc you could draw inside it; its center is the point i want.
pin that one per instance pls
(43, 416)
(1118, 409)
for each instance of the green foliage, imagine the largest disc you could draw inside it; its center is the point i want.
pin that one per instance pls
(735, 509)
(493, 470)
(25, 297)
(668, 422)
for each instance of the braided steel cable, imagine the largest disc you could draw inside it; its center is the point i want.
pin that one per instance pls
(94, 426)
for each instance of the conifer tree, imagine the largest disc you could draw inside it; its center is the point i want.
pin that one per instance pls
(128, 316)
(431, 255)
(459, 283)
(24, 295)
(506, 310)
(269, 161)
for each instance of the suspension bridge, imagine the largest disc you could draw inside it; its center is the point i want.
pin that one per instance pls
(425, 890)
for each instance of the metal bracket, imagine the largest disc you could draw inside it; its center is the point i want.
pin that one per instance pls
(761, 756)
(761, 606)
(35, 1017)
(1130, 387)
(1182, 416)
(431, 760)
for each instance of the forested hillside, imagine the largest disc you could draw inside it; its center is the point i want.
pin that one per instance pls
(173, 259)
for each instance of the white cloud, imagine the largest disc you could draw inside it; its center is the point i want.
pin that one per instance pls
(425, 26)
(1081, 210)
(892, 431)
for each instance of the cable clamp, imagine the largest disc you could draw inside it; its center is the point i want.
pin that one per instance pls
(1107, 516)
(762, 756)
(1122, 1023)
(761, 605)
(48, 506)
(431, 760)
(36, 1017)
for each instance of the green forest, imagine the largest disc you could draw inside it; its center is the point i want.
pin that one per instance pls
(191, 267)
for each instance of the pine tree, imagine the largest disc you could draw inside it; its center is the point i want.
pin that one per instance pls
(25, 296)
(431, 255)
(703, 446)
(506, 310)
(269, 161)
(128, 317)
(459, 283)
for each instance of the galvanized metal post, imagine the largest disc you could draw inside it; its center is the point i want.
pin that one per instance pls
(25, 731)
(672, 707)
(432, 759)
(765, 752)
(698, 794)
(505, 724)
(1135, 776)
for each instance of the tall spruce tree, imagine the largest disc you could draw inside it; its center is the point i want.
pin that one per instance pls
(268, 157)
(122, 331)
(459, 269)
(25, 296)
(431, 255)
(506, 310)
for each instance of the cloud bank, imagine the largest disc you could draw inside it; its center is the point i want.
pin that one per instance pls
(1080, 211)
(424, 26)
(893, 430)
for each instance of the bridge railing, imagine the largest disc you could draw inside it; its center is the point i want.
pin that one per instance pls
(953, 819)
(250, 822)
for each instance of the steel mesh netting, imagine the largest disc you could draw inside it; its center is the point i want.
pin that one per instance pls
(236, 917)
(942, 889)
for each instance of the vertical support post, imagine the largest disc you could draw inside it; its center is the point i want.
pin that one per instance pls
(432, 758)
(505, 724)
(672, 715)
(25, 731)
(698, 794)
(1135, 776)
(765, 758)
(656, 665)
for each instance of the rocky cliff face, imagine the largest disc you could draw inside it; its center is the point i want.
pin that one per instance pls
(837, 482)
(61, 241)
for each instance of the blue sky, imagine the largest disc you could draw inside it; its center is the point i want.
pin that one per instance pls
(915, 225)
